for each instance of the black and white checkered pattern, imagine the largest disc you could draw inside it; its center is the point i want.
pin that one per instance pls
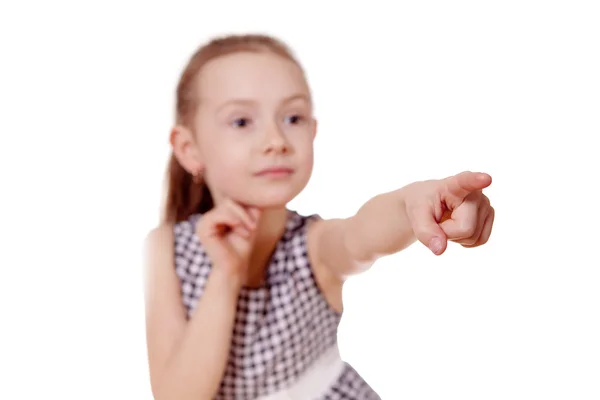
(280, 328)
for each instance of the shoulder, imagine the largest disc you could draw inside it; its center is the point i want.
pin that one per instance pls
(158, 233)
(157, 238)
(324, 238)
(158, 248)
(161, 284)
(330, 283)
(166, 240)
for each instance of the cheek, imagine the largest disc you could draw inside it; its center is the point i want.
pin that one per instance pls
(226, 168)
(304, 150)
(225, 163)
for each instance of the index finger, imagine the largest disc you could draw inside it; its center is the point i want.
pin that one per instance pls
(241, 212)
(463, 184)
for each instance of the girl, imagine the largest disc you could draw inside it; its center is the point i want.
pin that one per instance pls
(243, 295)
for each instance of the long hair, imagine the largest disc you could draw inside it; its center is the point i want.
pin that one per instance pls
(184, 195)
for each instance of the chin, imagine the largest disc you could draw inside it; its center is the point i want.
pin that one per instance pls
(270, 202)
(269, 199)
(265, 194)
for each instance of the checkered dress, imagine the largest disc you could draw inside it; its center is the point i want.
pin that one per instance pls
(281, 328)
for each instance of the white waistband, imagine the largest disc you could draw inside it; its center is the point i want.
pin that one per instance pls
(316, 380)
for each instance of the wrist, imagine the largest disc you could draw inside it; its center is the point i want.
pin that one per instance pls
(226, 278)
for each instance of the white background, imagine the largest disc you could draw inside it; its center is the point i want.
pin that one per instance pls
(404, 91)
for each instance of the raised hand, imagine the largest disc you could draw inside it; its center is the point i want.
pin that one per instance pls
(227, 234)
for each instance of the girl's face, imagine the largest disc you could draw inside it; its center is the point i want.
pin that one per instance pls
(254, 129)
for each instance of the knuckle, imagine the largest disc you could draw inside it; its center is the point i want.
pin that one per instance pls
(230, 211)
(484, 202)
(470, 242)
(466, 228)
(236, 211)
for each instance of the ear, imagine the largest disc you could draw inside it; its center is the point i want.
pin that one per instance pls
(314, 128)
(185, 149)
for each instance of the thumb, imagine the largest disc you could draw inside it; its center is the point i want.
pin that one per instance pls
(427, 231)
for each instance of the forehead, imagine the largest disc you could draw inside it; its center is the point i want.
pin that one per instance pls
(261, 77)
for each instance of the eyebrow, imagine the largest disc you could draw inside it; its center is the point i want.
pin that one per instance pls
(249, 102)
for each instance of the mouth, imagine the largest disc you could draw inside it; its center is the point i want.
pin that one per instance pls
(275, 172)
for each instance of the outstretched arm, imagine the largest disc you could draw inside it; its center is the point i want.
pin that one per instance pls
(431, 212)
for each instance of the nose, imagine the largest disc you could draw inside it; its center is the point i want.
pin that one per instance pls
(276, 142)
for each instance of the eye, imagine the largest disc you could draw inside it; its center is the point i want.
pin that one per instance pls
(294, 119)
(240, 122)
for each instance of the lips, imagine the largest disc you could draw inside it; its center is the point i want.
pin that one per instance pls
(275, 171)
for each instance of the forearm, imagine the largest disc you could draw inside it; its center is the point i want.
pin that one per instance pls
(431, 211)
(380, 227)
(196, 366)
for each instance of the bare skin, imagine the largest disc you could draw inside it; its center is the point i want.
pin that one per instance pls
(256, 114)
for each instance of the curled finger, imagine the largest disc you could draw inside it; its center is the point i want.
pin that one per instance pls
(486, 232)
(426, 229)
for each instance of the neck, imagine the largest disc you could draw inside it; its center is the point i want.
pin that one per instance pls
(271, 227)
(271, 224)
